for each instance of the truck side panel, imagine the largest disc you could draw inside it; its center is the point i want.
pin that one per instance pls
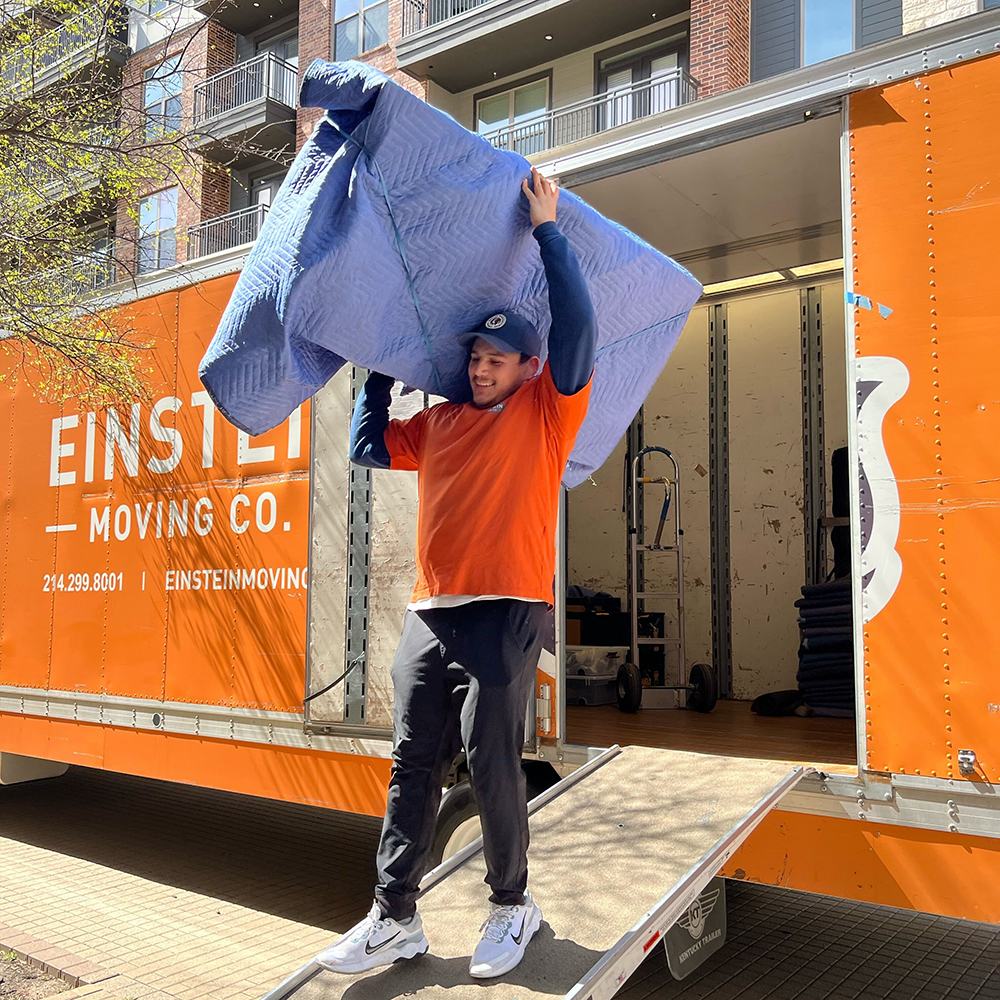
(352, 782)
(155, 584)
(924, 165)
(891, 865)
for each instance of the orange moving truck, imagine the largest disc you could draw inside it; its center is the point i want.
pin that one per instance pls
(173, 591)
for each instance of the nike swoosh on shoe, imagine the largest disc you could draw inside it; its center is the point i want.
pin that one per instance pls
(520, 934)
(369, 950)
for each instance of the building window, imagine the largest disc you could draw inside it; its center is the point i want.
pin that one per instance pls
(515, 118)
(157, 231)
(153, 7)
(285, 47)
(642, 82)
(827, 29)
(359, 25)
(161, 98)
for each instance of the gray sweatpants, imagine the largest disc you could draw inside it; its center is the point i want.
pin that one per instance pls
(461, 676)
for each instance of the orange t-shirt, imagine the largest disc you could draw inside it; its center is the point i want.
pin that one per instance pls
(488, 489)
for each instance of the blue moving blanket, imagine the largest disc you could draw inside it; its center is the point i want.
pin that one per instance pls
(395, 231)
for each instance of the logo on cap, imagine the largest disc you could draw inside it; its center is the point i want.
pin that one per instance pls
(495, 322)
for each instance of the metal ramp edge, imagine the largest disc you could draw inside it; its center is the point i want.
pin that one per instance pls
(609, 973)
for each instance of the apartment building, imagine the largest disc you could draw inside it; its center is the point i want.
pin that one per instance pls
(532, 77)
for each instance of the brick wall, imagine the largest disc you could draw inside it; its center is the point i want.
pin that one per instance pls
(203, 186)
(720, 45)
(918, 14)
(315, 42)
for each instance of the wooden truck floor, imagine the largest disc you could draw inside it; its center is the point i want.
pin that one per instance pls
(731, 729)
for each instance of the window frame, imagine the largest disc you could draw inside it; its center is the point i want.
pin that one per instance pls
(802, 34)
(157, 233)
(361, 15)
(509, 88)
(146, 7)
(643, 51)
(155, 125)
(646, 48)
(265, 42)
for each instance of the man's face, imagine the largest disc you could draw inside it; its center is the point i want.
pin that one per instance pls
(495, 375)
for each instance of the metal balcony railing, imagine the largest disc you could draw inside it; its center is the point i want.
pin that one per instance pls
(419, 14)
(225, 232)
(596, 114)
(88, 274)
(264, 76)
(86, 35)
(79, 169)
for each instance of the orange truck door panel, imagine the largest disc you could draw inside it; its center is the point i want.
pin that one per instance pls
(925, 183)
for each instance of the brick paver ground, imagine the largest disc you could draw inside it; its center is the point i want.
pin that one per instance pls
(152, 890)
(145, 889)
(783, 945)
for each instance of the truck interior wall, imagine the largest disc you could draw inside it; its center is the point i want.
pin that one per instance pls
(676, 418)
(766, 533)
(328, 554)
(392, 570)
(834, 385)
(767, 538)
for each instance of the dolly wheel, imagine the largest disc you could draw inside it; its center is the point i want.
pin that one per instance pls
(629, 688)
(704, 691)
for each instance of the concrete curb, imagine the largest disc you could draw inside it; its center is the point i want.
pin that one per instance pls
(53, 961)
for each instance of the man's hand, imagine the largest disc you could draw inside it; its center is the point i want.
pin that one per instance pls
(542, 197)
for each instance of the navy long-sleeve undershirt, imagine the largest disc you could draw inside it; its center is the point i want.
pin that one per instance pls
(572, 343)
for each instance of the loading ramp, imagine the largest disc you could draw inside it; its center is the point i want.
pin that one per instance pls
(619, 850)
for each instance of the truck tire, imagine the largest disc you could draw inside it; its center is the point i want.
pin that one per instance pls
(457, 822)
(629, 688)
(458, 815)
(704, 689)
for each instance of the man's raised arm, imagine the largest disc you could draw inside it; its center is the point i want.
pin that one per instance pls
(370, 420)
(573, 337)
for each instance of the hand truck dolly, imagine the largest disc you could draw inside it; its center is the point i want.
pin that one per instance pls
(701, 686)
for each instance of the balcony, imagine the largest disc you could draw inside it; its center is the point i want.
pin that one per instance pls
(90, 38)
(583, 119)
(420, 14)
(79, 172)
(225, 232)
(246, 114)
(244, 17)
(460, 44)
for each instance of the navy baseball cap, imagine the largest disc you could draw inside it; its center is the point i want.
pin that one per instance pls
(507, 332)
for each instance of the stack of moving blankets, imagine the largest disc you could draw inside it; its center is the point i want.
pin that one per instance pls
(826, 655)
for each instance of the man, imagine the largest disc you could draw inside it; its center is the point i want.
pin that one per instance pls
(488, 487)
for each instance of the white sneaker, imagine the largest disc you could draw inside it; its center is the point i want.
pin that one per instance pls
(376, 941)
(506, 934)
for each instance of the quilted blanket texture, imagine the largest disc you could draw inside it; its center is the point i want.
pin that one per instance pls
(395, 231)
